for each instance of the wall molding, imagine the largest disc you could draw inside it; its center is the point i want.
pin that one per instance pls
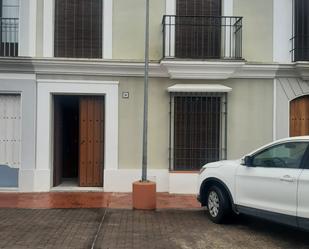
(173, 69)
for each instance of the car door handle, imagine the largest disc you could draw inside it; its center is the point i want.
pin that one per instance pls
(287, 178)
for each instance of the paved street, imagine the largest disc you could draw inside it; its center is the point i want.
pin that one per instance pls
(122, 228)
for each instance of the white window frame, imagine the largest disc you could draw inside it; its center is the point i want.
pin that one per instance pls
(27, 27)
(282, 30)
(48, 29)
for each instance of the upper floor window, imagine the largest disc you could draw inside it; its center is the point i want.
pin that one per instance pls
(198, 36)
(197, 30)
(78, 28)
(9, 27)
(301, 30)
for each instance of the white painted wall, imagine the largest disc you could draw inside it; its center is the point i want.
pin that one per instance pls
(27, 28)
(283, 30)
(183, 183)
(121, 180)
(48, 28)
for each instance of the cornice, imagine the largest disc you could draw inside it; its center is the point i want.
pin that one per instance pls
(201, 69)
(83, 67)
(173, 69)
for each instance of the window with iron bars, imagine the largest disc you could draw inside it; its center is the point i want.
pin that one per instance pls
(9, 10)
(197, 130)
(78, 28)
(300, 39)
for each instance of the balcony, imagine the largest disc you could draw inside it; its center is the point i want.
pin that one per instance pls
(300, 48)
(202, 37)
(9, 36)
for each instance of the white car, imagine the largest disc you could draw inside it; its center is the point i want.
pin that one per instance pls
(271, 182)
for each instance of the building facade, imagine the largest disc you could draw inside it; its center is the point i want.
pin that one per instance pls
(226, 76)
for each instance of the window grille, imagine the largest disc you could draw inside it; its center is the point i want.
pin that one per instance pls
(197, 129)
(78, 28)
(198, 37)
(9, 24)
(300, 40)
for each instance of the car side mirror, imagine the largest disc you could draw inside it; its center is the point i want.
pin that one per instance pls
(247, 161)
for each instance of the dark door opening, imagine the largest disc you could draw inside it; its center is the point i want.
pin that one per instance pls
(78, 140)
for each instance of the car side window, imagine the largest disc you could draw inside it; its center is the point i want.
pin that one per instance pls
(287, 155)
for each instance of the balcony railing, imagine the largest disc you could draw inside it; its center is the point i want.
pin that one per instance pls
(9, 36)
(300, 48)
(202, 37)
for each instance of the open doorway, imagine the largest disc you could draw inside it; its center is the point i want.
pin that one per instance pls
(78, 141)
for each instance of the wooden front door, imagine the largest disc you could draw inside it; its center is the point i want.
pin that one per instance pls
(299, 116)
(91, 136)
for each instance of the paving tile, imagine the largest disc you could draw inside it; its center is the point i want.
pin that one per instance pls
(48, 228)
(169, 229)
(90, 200)
(131, 229)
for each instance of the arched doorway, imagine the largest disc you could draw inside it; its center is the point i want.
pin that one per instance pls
(299, 116)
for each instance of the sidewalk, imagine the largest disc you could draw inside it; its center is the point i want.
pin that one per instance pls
(91, 200)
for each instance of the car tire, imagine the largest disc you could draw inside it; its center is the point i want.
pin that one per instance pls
(218, 205)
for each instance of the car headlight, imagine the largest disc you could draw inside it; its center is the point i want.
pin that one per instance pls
(202, 170)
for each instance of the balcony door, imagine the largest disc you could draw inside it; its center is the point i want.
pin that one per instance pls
(198, 29)
(301, 30)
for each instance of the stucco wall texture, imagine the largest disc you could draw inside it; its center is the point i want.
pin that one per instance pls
(128, 28)
(249, 122)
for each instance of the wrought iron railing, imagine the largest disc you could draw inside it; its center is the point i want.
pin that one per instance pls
(202, 37)
(9, 36)
(300, 48)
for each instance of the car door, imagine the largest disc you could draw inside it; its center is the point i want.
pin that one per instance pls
(303, 198)
(269, 184)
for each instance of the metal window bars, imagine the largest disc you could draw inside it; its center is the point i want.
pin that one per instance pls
(202, 37)
(9, 36)
(197, 130)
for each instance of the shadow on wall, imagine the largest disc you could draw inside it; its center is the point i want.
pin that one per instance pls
(8, 177)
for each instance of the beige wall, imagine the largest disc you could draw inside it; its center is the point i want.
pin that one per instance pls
(131, 123)
(129, 26)
(250, 120)
(129, 29)
(257, 28)
(250, 115)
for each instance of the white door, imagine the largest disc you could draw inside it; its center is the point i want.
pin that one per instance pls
(270, 184)
(10, 130)
(303, 199)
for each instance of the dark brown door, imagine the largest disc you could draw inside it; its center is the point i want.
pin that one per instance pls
(91, 136)
(58, 141)
(299, 116)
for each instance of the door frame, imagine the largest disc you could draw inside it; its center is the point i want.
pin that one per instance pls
(46, 90)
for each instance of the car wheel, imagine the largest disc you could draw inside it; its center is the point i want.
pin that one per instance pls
(218, 205)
